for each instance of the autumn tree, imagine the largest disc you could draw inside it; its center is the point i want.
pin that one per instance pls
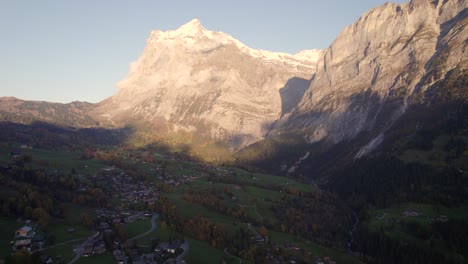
(42, 217)
(263, 231)
(85, 220)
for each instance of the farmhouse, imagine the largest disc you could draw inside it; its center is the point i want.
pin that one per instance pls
(25, 231)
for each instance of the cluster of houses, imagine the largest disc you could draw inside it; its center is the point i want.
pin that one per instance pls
(162, 253)
(440, 218)
(131, 192)
(410, 213)
(108, 217)
(168, 250)
(413, 213)
(26, 238)
(94, 246)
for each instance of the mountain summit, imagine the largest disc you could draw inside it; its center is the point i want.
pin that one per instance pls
(208, 83)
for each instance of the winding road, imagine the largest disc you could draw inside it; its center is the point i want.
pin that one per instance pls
(151, 230)
(185, 247)
(79, 249)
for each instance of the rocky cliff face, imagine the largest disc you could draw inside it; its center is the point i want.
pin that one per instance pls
(377, 66)
(208, 83)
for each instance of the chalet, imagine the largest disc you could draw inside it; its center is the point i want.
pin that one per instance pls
(24, 243)
(170, 248)
(25, 231)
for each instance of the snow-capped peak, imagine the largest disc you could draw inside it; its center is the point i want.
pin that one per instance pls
(193, 31)
(191, 28)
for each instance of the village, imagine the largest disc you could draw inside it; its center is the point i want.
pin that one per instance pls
(128, 196)
(131, 201)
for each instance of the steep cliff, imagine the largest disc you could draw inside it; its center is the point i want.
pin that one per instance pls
(388, 59)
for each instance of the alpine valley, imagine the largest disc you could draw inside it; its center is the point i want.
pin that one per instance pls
(215, 152)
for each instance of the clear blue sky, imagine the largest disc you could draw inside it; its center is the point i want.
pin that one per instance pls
(66, 50)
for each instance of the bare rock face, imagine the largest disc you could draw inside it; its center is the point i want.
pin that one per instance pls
(207, 82)
(377, 67)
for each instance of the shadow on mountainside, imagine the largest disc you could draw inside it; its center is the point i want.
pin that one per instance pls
(46, 135)
(345, 133)
(292, 93)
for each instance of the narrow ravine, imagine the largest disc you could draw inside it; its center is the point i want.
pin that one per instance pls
(351, 232)
(294, 167)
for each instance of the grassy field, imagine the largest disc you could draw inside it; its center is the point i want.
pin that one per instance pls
(201, 252)
(316, 250)
(65, 250)
(61, 232)
(189, 210)
(60, 160)
(392, 221)
(55, 160)
(256, 201)
(138, 227)
(385, 217)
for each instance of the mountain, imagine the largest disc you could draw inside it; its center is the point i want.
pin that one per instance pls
(73, 114)
(206, 83)
(393, 57)
(195, 86)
